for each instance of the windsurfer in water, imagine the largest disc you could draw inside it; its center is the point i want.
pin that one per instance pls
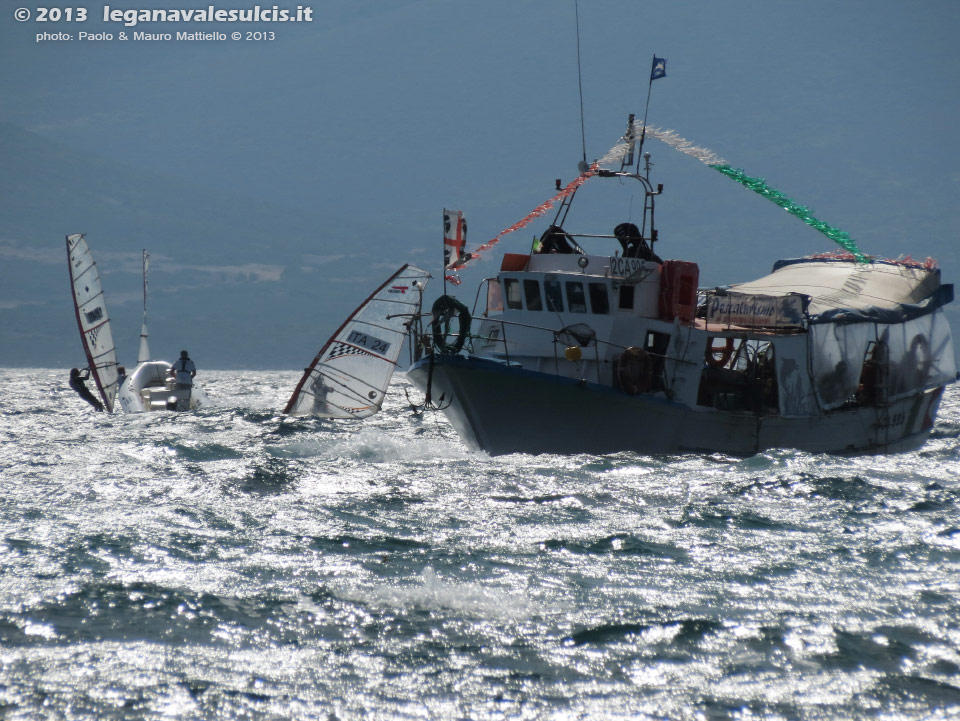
(320, 391)
(77, 382)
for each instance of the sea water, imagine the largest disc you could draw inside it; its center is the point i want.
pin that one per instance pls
(234, 563)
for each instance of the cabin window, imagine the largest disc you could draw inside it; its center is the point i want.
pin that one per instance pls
(511, 287)
(657, 342)
(494, 296)
(599, 301)
(531, 291)
(576, 300)
(626, 297)
(554, 296)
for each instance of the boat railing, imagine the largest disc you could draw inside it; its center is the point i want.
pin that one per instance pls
(499, 339)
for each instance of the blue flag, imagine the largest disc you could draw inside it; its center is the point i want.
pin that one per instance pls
(659, 69)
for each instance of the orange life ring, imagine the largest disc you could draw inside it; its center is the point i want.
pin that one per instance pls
(719, 356)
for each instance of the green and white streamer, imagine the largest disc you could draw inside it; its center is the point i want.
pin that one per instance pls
(757, 185)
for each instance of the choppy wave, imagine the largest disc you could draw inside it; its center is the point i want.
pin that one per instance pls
(235, 563)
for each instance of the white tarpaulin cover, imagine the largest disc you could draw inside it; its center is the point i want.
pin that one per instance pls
(855, 307)
(842, 284)
(837, 352)
(918, 353)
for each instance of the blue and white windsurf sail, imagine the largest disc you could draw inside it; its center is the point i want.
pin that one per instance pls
(92, 318)
(349, 376)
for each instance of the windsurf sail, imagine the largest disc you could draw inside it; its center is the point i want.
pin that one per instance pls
(144, 353)
(349, 376)
(92, 318)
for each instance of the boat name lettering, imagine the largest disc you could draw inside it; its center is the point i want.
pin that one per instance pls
(756, 310)
(624, 267)
(368, 341)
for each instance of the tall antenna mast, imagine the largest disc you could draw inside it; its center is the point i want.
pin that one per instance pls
(583, 132)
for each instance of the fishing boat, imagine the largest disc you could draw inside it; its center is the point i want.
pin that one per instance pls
(349, 376)
(614, 349)
(152, 385)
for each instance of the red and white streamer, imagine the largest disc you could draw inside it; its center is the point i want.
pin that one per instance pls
(537, 212)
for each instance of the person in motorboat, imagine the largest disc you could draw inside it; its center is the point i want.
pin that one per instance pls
(185, 370)
(633, 244)
(78, 383)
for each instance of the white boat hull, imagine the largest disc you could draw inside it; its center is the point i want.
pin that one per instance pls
(151, 388)
(500, 408)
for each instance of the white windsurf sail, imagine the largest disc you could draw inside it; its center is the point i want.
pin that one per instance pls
(349, 376)
(92, 318)
(144, 354)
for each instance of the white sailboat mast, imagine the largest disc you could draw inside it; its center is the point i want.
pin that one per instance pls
(144, 354)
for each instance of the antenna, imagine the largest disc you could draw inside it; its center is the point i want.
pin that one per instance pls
(583, 133)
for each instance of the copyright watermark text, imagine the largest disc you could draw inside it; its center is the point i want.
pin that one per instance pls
(130, 17)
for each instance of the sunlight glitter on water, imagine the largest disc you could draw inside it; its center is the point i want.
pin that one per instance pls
(234, 563)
